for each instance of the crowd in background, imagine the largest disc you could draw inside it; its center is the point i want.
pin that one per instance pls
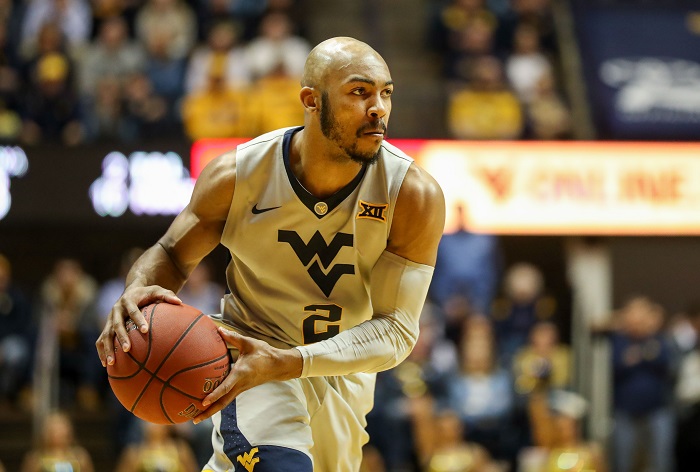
(489, 385)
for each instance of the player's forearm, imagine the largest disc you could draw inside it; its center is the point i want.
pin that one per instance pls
(399, 288)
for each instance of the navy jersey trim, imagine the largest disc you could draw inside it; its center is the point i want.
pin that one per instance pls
(309, 200)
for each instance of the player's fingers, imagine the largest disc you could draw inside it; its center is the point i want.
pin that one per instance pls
(159, 294)
(102, 353)
(136, 316)
(122, 335)
(222, 390)
(213, 409)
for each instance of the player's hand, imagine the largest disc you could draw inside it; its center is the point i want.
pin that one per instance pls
(129, 307)
(257, 363)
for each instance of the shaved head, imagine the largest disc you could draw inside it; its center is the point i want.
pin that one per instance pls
(333, 55)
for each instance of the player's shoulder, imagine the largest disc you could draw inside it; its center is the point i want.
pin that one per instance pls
(420, 188)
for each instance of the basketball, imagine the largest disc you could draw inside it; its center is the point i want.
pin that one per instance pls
(168, 371)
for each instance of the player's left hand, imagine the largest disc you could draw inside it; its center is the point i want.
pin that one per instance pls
(257, 363)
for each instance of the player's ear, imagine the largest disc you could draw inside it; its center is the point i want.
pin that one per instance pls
(310, 99)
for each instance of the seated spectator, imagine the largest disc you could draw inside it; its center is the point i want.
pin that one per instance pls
(469, 264)
(482, 394)
(687, 395)
(454, 17)
(548, 116)
(470, 43)
(166, 74)
(201, 291)
(160, 450)
(485, 108)
(57, 449)
(112, 54)
(148, 113)
(544, 357)
(526, 64)
(10, 72)
(276, 101)
(642, 379)
(104, 116)
(555, 417)
(67, 299)
(221, 46)
(16, 339)
(173, 20)
(51, 110)
(72, 16)
(446, 449)
(523, 304)
(217, 111)
(537, 13)
(277, 43)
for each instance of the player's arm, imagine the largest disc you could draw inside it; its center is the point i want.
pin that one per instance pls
(399, 286)
(162, 270)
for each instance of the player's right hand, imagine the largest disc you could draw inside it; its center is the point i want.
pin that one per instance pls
(129, 307)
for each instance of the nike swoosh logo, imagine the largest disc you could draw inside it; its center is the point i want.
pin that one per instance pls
(257, 211)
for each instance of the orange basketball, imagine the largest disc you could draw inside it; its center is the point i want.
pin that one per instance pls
(168, 371)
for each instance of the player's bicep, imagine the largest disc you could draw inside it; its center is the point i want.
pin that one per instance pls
(419, 218)
(197, 230)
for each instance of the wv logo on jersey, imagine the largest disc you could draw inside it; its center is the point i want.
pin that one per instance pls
(248, 460)
(372, 211)
(325, 253)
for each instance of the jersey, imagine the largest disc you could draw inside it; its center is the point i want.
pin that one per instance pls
(300, 268)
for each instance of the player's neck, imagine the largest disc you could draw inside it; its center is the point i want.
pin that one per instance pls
(320, 171)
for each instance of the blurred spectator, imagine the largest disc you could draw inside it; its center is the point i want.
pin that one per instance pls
(526, 65)
(559, 445)
(110, 291)
(67, 304)
(445, 448)
(688, 398)
(524, 303)
(641, 360)
(372, 460)
(159, 451)
(453, 18)
(73, 17)
(51, 110)
(147, 112)
(165, 73)
(104, 116)
(10, 73)
(537, 13)
(112, 54)
(485, 108)
(57, 449)
(468, 264)
(482, 394)
(221, 46)
(217, 111)
(276, 44)
(277, 104)
(471, 43)
(547, 115)
(425, 372)
(171, 20)
(543, 358)
(16, 337)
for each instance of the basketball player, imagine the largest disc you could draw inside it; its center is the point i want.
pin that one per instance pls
(333, 235)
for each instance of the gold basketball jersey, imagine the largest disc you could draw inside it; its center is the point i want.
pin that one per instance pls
(300, 266)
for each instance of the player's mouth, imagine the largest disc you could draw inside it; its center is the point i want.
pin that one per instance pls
(372, 130)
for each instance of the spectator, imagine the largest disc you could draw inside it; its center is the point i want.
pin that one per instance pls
(10, 72)
(104, 116)
(277, 44)
(57, 450)
(454, 17)
(688, 398)
(472, 42)
(217, 111)
(166, 74)
(147, 112)
(51, 110)
(559, 446)
(527, 64)
(547, 115)
(641, 359)
(111, 55)
(172, 20)
(67, 304)
(16, 337)
(485, 108)
(73, 17)
(160, 450)
(523, 304)
(276, 101)
(544, 357)
(201, 292)
(482, 394)
(469, 264)
(221, 46)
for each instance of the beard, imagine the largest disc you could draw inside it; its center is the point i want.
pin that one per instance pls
(332, 131)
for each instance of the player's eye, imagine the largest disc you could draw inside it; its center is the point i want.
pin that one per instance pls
(358, 91)
(387, 92)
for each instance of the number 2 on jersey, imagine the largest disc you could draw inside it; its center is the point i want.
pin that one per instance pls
(319, 324)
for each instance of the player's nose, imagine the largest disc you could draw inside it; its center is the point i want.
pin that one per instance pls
(378, 108)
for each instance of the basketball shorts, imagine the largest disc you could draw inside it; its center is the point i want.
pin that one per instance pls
(300, 425)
